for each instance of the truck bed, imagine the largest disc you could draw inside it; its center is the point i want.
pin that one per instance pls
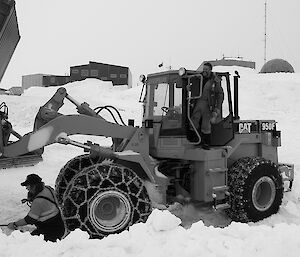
(9, 33)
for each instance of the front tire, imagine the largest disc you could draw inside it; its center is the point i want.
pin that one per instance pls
(256, 188)
(104, 199)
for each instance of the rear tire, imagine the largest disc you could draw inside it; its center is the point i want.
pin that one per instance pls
(104, 199)
(256, 188)
(71, 168)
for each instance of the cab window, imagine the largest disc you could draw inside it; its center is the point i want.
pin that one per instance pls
(167, 97)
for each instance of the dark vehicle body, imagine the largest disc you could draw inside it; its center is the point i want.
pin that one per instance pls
(9, 33)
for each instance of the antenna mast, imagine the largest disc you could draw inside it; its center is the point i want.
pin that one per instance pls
(265, 40)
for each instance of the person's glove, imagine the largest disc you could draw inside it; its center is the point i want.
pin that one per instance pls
(12, 226)
(214, 115)
(24, 200)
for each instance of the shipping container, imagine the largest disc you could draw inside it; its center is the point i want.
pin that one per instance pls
(9, 33)
(16, 91)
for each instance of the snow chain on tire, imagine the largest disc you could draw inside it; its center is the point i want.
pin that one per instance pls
(92, 198)
(70, 169)
(256, 189)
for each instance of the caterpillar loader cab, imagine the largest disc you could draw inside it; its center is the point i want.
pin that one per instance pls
(170, 107)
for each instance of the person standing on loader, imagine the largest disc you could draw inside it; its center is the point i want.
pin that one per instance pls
(207, 108)
(44, 211)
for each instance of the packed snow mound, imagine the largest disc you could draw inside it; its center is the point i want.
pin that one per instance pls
(92, 91)
(162, 235)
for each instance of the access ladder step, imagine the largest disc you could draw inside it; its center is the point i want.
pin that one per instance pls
(217, 170)
(222, 206)
(220, 188)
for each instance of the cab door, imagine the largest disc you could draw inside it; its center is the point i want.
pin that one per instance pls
(223, 131)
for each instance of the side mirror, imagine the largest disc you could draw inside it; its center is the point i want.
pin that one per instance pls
(236, 73)
(142, 78)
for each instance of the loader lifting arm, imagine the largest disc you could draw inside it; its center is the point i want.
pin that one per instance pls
(50, 125)
(49, 110)
(67, 125)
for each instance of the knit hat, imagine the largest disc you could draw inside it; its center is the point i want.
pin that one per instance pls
(32, 179)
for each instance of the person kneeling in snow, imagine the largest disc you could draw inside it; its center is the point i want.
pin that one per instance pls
(44, 211)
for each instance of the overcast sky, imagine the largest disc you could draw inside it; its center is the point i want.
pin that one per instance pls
(57, 34)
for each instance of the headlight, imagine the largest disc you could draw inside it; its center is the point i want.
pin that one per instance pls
(182, 71)
(142, 78)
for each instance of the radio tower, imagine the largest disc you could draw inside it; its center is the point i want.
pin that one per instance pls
(265, 39)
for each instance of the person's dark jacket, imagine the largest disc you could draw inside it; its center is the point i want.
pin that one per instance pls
(212, 92)
(45, 215)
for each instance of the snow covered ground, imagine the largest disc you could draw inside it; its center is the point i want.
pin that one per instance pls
(262, 96)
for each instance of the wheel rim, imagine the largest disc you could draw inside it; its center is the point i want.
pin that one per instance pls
(263, 193)
(110, 211)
